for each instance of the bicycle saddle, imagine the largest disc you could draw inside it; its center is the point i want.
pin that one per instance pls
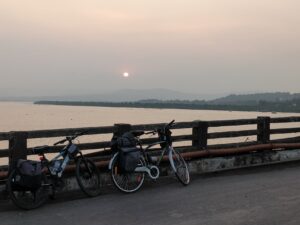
(41, 149)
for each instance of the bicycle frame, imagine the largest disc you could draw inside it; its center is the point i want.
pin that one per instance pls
(66, 157)
(50, 181)
(168, 150)
(145, 154)
(63, 164)
(165, 138)
(131, 180)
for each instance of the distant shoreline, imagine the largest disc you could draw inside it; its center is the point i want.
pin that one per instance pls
(173, 105)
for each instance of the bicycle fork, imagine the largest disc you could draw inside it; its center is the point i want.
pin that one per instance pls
(171, 160)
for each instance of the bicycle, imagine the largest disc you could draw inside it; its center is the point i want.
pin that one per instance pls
(131, 182)
(87, 175)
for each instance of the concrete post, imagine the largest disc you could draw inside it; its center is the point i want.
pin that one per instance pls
(200, 135)
(263, 129)
(17, 148)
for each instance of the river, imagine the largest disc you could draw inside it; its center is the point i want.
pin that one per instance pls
(22, 116)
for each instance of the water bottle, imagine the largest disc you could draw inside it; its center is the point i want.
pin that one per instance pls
(56, 167)
(63, 165)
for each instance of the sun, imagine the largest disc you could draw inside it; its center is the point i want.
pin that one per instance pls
(125, 74)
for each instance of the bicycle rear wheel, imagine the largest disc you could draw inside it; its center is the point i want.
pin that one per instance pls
(88, 177)
(126, 182)
(26, 198)
(180, 167)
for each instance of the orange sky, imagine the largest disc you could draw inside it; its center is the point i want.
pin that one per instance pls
(226, 45)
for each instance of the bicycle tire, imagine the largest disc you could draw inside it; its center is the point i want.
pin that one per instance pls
(26, 199)
(180, 168)
(121, 179)
(88, 180)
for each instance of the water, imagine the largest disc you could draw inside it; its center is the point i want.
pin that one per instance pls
(20, 116)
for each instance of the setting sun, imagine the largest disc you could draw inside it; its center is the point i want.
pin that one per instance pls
(125, 74)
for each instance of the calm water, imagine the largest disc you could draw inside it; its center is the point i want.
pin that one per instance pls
(19, 116)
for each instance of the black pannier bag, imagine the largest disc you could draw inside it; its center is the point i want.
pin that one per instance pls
(114, 144)
(129, 159)
(128, 152)
(28, 174)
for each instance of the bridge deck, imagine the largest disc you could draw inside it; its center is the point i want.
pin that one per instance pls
(266, 196)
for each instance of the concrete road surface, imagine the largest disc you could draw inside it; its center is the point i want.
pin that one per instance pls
(261, 196)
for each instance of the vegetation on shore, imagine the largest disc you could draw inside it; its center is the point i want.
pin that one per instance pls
(292, 105)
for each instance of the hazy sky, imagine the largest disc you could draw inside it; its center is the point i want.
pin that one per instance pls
(54, 47)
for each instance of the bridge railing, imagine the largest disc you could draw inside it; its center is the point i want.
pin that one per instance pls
(198, 135)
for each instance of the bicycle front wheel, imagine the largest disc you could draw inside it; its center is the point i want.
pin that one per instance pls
(88, 177)
(26, 198)
(180, 167)
(126, 182)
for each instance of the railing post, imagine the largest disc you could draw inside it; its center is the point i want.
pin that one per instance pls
(263, 129)
(121, 128)
(17, 148)
(200, 132)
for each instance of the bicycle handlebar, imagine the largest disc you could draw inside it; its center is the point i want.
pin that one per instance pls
(60, 142)
(169, 125)
(70, 138)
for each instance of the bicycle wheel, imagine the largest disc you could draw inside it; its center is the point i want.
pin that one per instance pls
(127, 182)
(88, 177)
(180, 167)
(26, 198)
